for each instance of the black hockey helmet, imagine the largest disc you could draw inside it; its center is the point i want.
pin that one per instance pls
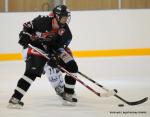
(61, 11)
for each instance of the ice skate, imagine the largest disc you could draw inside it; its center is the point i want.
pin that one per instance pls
(69, 99)
(15, 103)
(59, 91)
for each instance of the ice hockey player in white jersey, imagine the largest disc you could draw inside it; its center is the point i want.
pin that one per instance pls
(55, 77)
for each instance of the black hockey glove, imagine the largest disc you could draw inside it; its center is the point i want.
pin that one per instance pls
(54, 61)
(24, 39)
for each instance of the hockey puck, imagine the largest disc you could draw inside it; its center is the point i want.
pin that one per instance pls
(116, 90)
(120, 105)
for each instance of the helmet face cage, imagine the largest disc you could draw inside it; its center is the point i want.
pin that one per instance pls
(61, 11)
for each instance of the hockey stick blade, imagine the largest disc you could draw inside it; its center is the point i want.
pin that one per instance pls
(117, 96)
(133, 103)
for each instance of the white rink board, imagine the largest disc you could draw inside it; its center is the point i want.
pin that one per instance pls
(92, 30)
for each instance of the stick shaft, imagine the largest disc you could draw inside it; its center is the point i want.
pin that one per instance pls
(63, 69)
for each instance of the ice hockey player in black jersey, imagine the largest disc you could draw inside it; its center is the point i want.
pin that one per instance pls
(52, 35)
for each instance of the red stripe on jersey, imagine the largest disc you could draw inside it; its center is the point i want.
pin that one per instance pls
(33, 52)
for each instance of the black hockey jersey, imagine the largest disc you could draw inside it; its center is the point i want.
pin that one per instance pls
(43, 27)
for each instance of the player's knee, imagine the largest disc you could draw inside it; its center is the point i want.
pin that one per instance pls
(33, 72)
(34, 65)
(72, 67)
(30, 75)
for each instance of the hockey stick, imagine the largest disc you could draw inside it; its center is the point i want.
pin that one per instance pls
(98, 94)
(117, 96)
(109, 93)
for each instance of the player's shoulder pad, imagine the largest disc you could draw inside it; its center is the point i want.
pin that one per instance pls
(42, 17)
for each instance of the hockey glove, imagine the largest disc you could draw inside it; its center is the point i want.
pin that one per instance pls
(24, 39)
(53, 62)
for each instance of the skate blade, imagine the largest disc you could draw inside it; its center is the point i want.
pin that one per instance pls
(67, 103)
(16, 106)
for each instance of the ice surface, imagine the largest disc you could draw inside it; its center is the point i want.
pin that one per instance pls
(41, 100)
